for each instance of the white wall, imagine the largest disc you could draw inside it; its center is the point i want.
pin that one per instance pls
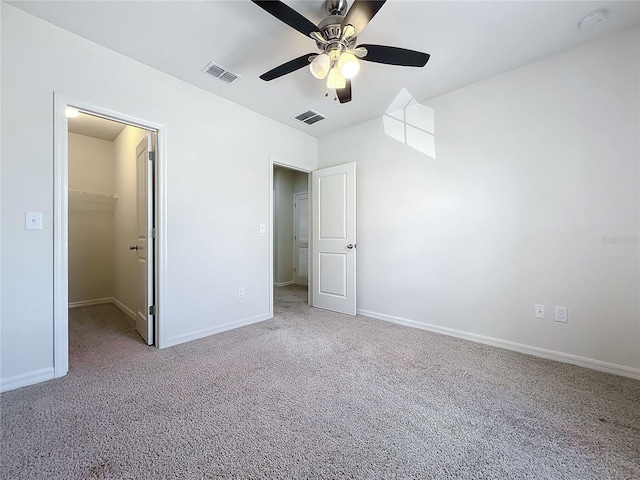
(217, 188)
(91, 169)
(537, 170)
(125, 261)
(300, 182)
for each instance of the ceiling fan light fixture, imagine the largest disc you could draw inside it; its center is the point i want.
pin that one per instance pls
(319, 66)
(349, 65)
(335, 79)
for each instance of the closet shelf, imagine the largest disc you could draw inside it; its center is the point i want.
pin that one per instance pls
(92, 201)
(92, 195)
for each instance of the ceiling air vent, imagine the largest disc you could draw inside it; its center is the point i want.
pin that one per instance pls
(220, 72)
(310, 117)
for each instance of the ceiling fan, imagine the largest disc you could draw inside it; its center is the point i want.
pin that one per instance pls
(335, 36)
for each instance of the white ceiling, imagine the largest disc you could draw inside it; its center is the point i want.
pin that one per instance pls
(91, 126)
(468, 41)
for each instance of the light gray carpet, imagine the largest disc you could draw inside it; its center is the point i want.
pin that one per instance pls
(314, 394)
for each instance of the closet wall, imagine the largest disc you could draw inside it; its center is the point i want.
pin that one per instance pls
(91, 169)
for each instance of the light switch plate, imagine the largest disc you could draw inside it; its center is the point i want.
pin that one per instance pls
(263, 228)
(33, 221)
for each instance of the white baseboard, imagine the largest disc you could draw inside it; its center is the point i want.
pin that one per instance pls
(283, 284)
(508, 345)
(124, 308)
(102, 301)
(213, 330)
(26, 379)
(88, 303)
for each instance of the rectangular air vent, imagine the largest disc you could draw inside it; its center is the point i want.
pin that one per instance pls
(220, 72)
(310, 117)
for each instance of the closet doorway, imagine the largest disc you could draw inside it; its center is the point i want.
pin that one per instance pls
(111, 217)
(290, 232)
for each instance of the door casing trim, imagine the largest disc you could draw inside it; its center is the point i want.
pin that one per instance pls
(275, 161)
(61, 220)
(296, 197)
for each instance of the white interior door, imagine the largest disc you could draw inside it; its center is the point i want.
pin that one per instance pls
(145, 242)
(334, 238)
(301, 238)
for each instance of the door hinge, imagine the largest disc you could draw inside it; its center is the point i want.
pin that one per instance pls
(153, 232)
(152, 156)
(152, 310)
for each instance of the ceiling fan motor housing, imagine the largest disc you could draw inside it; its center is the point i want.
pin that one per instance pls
(331, 30)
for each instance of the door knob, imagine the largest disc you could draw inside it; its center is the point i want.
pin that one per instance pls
(133, 247)
(350, 246)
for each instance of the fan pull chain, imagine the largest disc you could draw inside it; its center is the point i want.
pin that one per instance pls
(335, 95)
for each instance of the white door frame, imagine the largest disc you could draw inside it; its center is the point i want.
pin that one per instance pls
(278, 162)
(61, 221)
(296, 240)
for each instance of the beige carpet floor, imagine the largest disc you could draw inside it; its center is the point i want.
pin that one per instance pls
(314, 394)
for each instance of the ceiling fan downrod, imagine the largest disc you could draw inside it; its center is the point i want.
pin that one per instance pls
(335, 7)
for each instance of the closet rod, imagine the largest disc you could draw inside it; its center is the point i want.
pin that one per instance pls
(83, 193)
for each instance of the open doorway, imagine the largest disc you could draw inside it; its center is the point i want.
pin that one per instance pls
(110, 242)
(290, 235)
(155, 166)
(331, 233)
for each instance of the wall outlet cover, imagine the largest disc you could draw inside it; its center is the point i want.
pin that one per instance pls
(562, 314)
(539, 311)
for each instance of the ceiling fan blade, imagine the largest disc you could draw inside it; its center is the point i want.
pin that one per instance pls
(344, 94)
(360, 14)
(285, 68)
(395, 56)
(288, 15)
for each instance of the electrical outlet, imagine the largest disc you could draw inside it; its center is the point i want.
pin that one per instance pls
(241, 292)
(562, 314)
(539, 311)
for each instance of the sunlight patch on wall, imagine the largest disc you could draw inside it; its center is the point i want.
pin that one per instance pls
(411, 123)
